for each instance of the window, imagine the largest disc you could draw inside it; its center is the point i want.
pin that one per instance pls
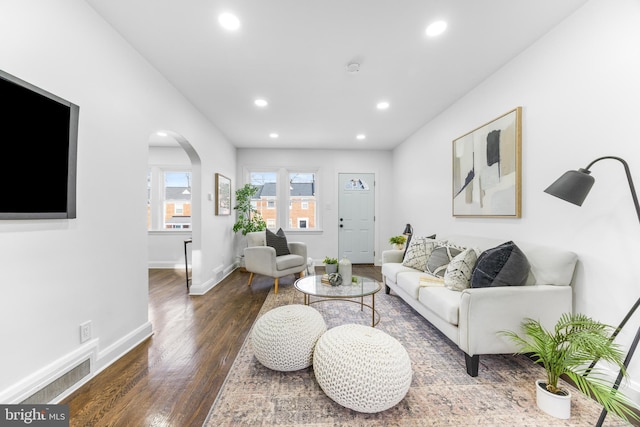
(295, 189)
(169, 199)
(266, 197)
(302, 193)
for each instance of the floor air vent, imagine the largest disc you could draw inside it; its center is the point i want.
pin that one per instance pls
(60, 385)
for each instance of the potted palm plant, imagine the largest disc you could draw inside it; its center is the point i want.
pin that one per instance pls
(570, 349)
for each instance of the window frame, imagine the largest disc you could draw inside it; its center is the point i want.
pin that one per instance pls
(283, 197)
(157, 198)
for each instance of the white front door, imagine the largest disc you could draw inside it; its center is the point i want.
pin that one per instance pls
(356, 215)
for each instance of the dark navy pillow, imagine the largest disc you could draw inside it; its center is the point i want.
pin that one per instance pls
(278, 242)
(504, 265)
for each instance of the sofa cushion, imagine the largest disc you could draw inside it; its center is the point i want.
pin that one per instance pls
(410, 282)
(442, 301)
(418, 252)
(504, 265)
(277, 241)
(458, 273)
(390, 270)
(289, 261)
(440, 257)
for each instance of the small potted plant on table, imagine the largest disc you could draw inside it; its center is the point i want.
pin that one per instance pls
(330, 265)
(398, 241)
(570, 349)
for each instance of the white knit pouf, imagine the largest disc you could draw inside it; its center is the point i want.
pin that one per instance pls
(284, 338)
(362, 368)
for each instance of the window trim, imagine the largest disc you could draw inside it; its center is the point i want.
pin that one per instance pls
(157, 200)
(283, 216)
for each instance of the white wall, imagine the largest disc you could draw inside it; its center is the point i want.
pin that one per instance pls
(580, 93)
(330, 163)
(57, 274)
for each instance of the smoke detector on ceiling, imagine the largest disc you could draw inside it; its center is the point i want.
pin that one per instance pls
(353, 67)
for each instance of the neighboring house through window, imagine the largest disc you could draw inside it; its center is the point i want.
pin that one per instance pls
(285, 187)
(169, 199)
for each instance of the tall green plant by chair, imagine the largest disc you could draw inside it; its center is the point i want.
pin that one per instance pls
(249, 219)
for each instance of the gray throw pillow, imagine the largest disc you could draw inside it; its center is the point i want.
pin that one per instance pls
(504, 265)
(440, 257)
(277, 241)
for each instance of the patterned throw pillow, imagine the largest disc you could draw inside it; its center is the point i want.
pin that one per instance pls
(278, 242)
(457, 276)
(440, 257)
(418, 252)
(504, 265)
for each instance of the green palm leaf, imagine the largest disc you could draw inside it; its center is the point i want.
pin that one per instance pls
(575, 342)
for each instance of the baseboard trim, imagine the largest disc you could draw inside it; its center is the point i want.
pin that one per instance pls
(38, 380)
(98, 361)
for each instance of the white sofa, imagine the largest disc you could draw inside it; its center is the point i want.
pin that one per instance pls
(474, 317)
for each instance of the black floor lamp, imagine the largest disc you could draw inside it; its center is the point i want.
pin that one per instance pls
(573, 187)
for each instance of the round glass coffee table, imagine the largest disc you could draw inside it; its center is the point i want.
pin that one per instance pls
(312, 286)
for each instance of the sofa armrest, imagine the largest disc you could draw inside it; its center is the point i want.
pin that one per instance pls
(260, 259)
(298, 248)
(485, 312)
(392, 255)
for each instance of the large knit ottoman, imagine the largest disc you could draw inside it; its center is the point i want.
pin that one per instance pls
(362, 368)
(284, 338)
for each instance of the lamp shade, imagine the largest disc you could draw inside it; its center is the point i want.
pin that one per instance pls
(573, 186)
(408, 230)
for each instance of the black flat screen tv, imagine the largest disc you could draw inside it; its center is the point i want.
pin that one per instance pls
(38, 152)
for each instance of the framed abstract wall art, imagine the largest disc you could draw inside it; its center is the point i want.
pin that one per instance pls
(487, 161)
(223, 195)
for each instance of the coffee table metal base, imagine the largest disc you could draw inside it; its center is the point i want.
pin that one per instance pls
(312, 286)
(375, 316)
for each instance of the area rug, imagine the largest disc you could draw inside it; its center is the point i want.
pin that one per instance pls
(441, 392)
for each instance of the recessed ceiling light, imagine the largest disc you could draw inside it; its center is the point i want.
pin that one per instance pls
(436, 28)
(229, 21)
(383, 105)
(361, 136)
(261, 102)
(273, 135)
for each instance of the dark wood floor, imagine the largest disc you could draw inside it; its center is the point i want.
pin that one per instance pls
(173, 378)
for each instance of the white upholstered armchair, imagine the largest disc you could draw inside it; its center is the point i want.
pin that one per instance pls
(259, 258)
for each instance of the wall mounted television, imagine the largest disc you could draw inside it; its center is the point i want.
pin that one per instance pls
(38, 152)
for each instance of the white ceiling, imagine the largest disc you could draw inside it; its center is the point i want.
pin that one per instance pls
(294, 54)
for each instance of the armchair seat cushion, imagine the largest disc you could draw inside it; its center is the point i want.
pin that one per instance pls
(285, 262)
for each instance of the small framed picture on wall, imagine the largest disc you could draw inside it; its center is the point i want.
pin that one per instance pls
(223, 195)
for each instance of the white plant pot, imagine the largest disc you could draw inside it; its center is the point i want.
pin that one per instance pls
(553, 404)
